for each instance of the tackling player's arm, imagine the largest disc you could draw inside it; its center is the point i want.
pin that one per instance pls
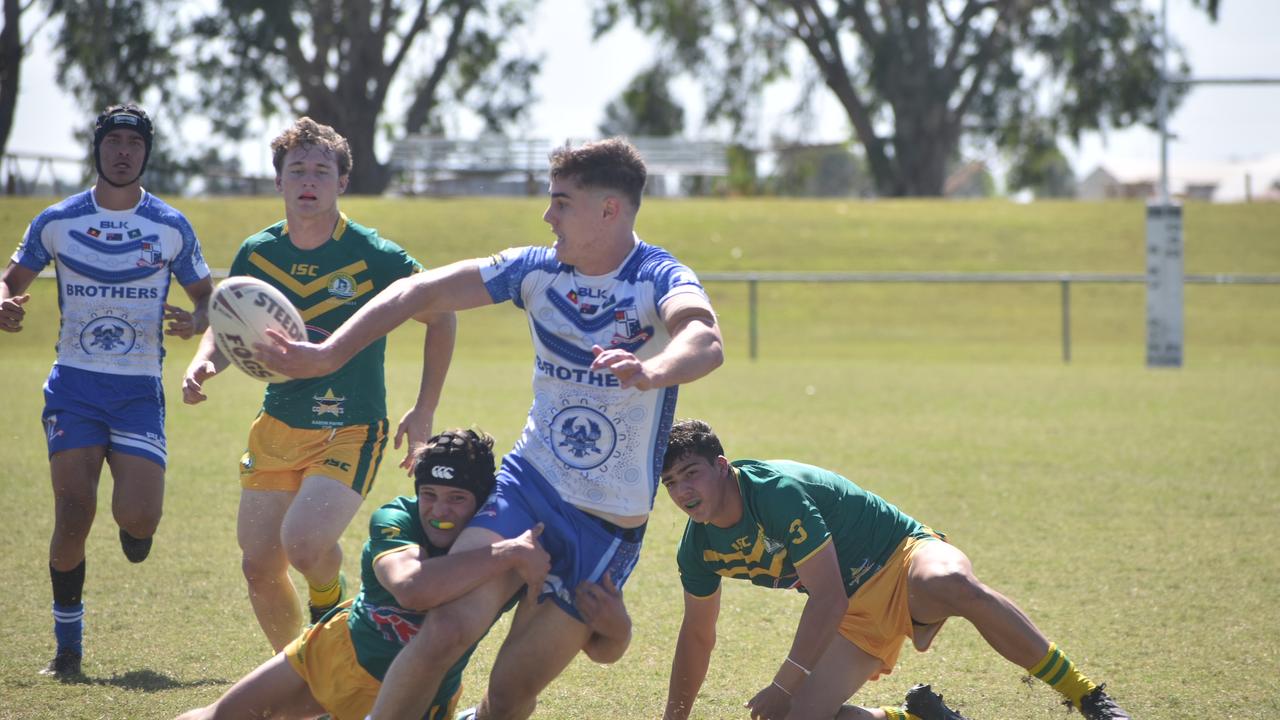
(695, 349)
(447, 289)
(13, 295)
(437, 353)
(819, 623)
(208, 361)
(693, 653)
(420, 583)
(184, 324)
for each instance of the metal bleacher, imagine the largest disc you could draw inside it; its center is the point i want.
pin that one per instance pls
(499, 165)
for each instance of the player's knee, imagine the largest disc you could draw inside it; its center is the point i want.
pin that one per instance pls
(138, 522)
(74, 512)
(953, 586)
(307, 556)
(262, 567)
(450, 633)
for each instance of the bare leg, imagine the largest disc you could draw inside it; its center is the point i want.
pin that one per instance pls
(316, 518)
(414, 677)
(273, 690)
(543, 640)
(137, 496)
(265, 565)
(75, 503)
(940, 583)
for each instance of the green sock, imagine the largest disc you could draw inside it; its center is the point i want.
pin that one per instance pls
(1059, 673)
(326, 595)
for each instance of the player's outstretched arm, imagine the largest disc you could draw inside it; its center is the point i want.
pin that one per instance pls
(208, 361)
(606, 615)
(437, 354)
(420, 583)
(695, 349)
(819, 623)
(693, 654)
(13, 295)
(447, 289)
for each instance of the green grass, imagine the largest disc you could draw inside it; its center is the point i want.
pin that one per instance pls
(1135, 514)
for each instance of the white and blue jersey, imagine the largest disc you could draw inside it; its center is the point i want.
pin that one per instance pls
(113, 269)
(599, 445)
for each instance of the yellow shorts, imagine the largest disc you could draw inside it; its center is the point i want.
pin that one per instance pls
(280, 456)
(326, 659)
(878, 619)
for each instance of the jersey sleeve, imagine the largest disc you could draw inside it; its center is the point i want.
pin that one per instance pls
(504, 273)
(397, 262)
(189, 265)
(674, 278)
(789, 513)
(32, 253)
(695, 577)
(389, 529)
(240, 265)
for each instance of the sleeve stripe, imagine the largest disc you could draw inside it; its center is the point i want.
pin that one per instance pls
(816, 550)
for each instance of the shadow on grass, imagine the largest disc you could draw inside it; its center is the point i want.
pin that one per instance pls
(143, 680)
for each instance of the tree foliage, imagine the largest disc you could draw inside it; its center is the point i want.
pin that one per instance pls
(339, 61)
(646, 107)
(916, 77)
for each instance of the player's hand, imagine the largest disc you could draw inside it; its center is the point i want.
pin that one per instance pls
(771, 703)
(415, 427)
(181, 323)
(528, 558)
(602, 607)
(193, 382)
(624, 365)
(12, 312)
(294, 359)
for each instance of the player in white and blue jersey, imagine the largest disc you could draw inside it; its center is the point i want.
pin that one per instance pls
(616, 325)
(114, 248)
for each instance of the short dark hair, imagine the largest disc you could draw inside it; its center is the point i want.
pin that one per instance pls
(457, 458)
(691, 437)
(306, 131)
(614, 164)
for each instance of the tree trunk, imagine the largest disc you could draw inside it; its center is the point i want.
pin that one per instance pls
(10, 69)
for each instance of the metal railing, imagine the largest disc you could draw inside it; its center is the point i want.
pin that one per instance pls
(1064, 279)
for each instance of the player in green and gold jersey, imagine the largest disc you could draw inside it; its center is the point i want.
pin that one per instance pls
(315, 447)
(874, 577)
(336, 666)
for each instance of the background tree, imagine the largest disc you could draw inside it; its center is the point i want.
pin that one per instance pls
(645, 107)
(915, 77)
(339, 60)
(11, 46)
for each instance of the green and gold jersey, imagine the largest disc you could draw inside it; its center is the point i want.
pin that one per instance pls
(379, 626)
(789, 512)
(328, 284)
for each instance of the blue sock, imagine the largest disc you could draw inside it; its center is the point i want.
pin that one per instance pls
(68, 626)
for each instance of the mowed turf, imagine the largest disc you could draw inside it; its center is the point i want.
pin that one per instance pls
(1134, 513)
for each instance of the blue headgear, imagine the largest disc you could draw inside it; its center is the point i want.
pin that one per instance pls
(122, 117)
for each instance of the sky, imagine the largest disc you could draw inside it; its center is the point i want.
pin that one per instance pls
(1221, 132)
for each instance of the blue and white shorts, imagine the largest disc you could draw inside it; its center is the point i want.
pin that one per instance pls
(582, 546)
(125, 413)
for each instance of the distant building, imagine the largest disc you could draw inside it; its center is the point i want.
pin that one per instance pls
(1101, 184)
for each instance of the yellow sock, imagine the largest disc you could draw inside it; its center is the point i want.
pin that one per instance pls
(1059, 673)
(893, 713)
(326, 595)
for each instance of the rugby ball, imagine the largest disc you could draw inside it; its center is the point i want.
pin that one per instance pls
(240, 312)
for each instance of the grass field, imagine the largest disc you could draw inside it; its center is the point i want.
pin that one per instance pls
(1135, 514)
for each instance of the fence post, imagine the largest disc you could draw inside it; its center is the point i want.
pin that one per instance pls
(1066, 321)
(751, 317)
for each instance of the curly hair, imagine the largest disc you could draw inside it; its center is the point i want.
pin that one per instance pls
(306, 131)
(614, 164)
(691, 437)
(457, 458)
